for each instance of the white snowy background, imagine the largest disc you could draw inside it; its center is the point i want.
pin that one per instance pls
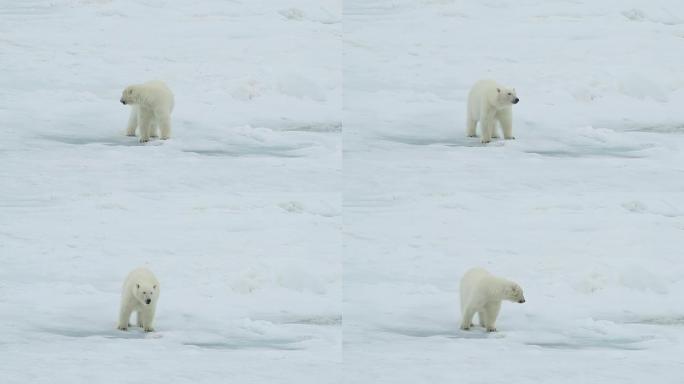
(585, 209)
(238, 214)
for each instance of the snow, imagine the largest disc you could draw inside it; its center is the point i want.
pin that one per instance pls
(238, 215)
(294, 248)
(584, 210)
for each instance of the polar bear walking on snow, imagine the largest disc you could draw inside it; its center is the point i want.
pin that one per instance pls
(489, 102)
(482, 293)
(140, 294)
(152, 104)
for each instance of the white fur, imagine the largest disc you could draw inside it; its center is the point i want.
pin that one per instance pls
(139, 287)
(482, 293)
(152, 104)
(489, 102)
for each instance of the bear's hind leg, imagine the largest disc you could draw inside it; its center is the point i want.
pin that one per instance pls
(467, 319)
(132, 121)
(481, 317)
(471, 125)
(165, 127)
(145, 125)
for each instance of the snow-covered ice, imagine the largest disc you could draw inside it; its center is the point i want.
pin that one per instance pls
(263, 232)
(585, 209)
(238, 215)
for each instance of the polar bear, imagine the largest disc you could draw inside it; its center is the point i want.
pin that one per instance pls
(489, 102)
(140, 294)
(152, 104)
(482, 293)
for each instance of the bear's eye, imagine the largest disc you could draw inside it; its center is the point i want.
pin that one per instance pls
(509, 93)
(130, 91)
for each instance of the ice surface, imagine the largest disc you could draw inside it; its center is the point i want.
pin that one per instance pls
(243, 214)
(584, 209)
(238, 214)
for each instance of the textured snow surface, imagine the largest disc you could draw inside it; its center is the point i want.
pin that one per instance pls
(318, 202)
(238, 214)
(585, 209)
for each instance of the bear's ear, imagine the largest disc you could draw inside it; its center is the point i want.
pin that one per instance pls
(498, 90)
(138, 285)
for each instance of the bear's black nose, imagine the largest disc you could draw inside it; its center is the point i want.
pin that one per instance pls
(516, 101)
(148, 301)
(521, 301)
(123, 102)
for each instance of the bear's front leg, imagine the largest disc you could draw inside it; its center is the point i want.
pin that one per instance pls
(495, 132)
(505, 118)
(486, 135)
(132, 121)
(140, 319)
(148, 319)
(492, 312)
(124, 316)
(487, 124)
(153, 130)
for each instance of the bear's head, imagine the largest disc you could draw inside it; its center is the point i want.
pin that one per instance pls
(129, 95)
(145, 293)
(513, 292)
(507, 96)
